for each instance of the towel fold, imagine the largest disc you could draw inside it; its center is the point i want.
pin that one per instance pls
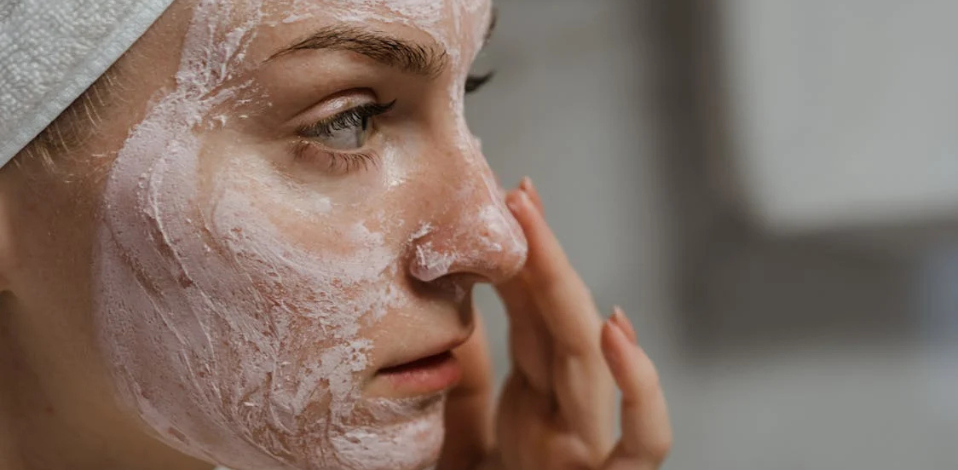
(51, 51)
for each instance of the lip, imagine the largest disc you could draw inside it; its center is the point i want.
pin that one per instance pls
(429, 373)
(425, 376)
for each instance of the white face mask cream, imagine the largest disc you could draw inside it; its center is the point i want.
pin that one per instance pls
(236, 309)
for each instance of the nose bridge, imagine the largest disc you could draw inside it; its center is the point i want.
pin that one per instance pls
(475, 233)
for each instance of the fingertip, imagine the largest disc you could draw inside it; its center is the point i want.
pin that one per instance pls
(531, 221)
(630, 366)
(512, 199)
(525, 183)
(518, 201)
(623, 322)
(528, 187)
(614, 346)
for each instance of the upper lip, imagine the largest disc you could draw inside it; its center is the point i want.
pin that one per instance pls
(426, 352)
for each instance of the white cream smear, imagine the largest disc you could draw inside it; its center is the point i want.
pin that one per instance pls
(234, 343)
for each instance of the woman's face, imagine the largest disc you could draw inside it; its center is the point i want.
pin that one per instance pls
(298, 208)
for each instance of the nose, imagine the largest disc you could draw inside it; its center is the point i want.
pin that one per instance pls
(473, 234)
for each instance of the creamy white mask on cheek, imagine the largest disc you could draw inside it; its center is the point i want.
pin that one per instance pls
(231, 342)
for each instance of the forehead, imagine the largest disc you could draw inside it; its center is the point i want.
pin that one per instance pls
(455, 26)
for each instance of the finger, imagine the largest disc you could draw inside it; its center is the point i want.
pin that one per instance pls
(529, 343)
(624, 324)
(530, 438)
(646, 431)
(531, 351)
(585, 394)
(529, 188)
(582, 386)
(468, 415)
(473, 356)
(560, 295)
(522, 424)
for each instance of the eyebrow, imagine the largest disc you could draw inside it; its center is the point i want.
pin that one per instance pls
(410, 57)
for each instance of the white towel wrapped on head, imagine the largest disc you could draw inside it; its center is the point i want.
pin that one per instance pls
(51, 51)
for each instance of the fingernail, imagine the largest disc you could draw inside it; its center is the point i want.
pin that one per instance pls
(530, 186)
(617, 314)
(624, 324)
(516, 201)
(609, 349)
(524, 199)
(533, 192)
(619, 318)
(613, 320)
(525, 183)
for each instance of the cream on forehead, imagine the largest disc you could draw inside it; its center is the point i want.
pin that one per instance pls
(442, 20)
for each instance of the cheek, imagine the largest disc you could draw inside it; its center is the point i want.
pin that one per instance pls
(326, 263)
(229, 313)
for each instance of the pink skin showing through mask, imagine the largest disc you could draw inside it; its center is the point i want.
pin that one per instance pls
(233, 334)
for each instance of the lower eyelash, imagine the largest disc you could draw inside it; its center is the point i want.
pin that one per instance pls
(337, 163)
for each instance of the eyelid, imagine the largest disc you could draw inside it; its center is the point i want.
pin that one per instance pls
(322, 127)
(331, 106)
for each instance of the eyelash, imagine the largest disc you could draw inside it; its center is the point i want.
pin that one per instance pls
(346, 119)
(340, 161)
(475, 82)
(345, 162)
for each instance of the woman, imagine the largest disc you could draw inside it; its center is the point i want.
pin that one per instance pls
(252, 243)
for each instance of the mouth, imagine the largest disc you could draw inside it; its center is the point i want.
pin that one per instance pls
(426, 375)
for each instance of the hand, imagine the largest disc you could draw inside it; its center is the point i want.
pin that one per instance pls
(556, 411)
(468, 416)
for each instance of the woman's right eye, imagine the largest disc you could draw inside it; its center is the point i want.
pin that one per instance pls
(348, 130)
(350, 137)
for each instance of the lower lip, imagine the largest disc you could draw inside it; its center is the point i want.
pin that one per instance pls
(430, 375)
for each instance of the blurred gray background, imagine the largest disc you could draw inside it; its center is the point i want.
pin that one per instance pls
(770, 190)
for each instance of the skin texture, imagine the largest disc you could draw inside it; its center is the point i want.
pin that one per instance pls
(185, 288)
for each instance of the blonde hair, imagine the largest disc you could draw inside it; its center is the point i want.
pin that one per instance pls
(74, 126)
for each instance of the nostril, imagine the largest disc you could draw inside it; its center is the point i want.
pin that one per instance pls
(431, 264)
(482, 256)
(483, 241)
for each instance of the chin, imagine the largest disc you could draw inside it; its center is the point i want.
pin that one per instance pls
(393, 434)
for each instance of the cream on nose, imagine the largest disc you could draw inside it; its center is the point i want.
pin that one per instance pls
(477, 235)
